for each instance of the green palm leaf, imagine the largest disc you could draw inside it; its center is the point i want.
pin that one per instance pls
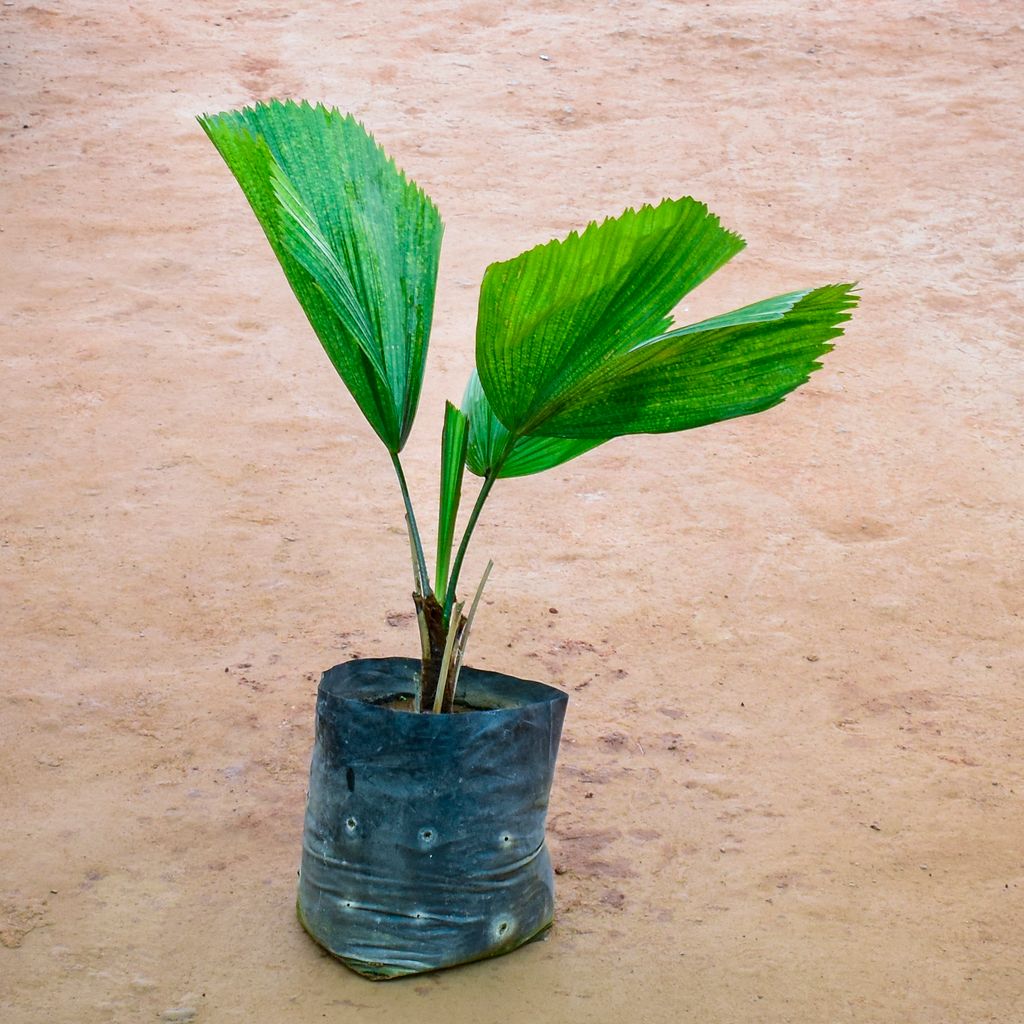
(552, 315)
(573, 339)
(358, 242)
(732, 365)
(454, 438)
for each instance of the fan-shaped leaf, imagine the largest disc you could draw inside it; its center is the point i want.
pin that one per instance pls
(358, 241)
(551, 316)
(728, 366)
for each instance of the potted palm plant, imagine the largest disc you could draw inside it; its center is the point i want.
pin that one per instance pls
(424, 836)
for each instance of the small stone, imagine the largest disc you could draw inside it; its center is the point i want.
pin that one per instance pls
(178, 1015)
(544, 56)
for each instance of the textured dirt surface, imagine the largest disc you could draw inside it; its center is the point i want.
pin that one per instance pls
(791, 783)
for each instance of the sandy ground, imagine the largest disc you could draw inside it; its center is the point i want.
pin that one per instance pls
(791, 786)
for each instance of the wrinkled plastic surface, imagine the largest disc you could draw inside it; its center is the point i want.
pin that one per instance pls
(424, 839)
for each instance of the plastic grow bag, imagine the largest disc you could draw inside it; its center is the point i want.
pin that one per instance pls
(424, 837)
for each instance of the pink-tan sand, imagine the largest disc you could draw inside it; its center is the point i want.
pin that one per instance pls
(790, 788)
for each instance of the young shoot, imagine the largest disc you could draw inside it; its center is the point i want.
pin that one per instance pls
(575, 342)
